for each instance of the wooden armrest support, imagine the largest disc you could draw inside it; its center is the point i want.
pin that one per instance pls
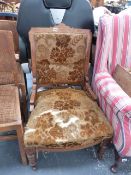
(33, 95)
(89, 92)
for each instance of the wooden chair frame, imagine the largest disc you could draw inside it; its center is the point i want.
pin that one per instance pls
(18, 127)
(17, 124)
(10, 25)
(32, 151)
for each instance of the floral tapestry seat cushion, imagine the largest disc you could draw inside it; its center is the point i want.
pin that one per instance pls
(65, 118)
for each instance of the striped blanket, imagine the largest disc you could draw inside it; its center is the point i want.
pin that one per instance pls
(114, 47)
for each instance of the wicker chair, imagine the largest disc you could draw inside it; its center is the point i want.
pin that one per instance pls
(10, 25)
(10, 115)
(62, 118)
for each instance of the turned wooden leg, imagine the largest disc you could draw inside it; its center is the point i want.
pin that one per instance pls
(31, 155)
(19, 131)
(118, 160)
(102, 147)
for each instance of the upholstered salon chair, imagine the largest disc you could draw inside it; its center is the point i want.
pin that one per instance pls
(47, 13)
(10, 114)
(10, 25)
(114, 47)
(64, 117)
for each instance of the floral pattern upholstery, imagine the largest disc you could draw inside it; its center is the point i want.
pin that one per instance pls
(65, 118)
(60, 56)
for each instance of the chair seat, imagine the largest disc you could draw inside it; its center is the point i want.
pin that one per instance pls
(8, 77)
(9, 106)
(65, 118)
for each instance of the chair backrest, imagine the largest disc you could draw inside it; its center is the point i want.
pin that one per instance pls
(37, 13)
(11, 26)
(8, 69)
(113, 43)
(60, 55)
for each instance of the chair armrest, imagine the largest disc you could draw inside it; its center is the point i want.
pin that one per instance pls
(88, 90)
(107, 88)
(90, 93)
(33, 95)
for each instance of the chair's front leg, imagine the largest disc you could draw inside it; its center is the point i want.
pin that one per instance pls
(89, 91)
(118, 160)
(31, 155)
(103, 145)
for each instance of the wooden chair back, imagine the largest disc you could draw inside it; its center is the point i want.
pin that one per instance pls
(8, 68)
(10, 25)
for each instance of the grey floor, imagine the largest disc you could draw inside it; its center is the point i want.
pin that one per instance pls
(83, 162)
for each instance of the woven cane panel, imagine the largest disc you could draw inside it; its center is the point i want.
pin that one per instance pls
(8, 104)
(8, 68)
(6, 78)
(10, 25)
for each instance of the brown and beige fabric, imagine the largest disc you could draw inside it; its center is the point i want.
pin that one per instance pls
(9, 25)
(10, 115)
(9, 10)
(65, 118)
(62, 118)
(7, 6)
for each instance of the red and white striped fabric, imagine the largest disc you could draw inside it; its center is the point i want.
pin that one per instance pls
(114, 47)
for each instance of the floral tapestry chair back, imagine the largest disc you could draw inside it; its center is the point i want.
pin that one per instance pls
(60, 58)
